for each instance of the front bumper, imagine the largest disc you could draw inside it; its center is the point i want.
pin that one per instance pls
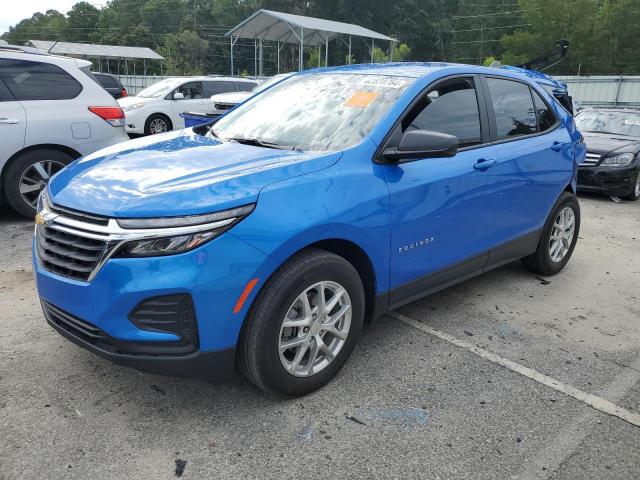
(213, 275)
(217, 366)
(618, 181)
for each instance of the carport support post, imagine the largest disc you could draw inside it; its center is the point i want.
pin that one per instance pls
(278, 60)
(326, 50)
(349, 49)
(255, 57)
(372, 50)
(231, 55)
(301, 59)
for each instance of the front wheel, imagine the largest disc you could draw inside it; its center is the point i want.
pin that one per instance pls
(635, 190)
(157, 123)
(558, 238)
(303, 325)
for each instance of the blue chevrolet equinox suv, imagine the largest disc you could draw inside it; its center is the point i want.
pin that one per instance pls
(266, 239)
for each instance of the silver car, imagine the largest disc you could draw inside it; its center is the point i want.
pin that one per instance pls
(52, 111)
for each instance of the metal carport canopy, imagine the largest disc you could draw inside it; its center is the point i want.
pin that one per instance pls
(289, 28)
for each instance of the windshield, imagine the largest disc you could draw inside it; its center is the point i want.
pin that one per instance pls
(619, 123)
(268, 83)
(159, 89)
(314, 111)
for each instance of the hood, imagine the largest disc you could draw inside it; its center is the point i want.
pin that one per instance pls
(130, 100)
(604, 143)
(177, 173)
(234, 98)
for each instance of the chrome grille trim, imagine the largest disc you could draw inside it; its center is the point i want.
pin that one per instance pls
(591, 159)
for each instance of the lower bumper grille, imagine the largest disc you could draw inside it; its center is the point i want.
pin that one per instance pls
(67, 254)
(87, 333)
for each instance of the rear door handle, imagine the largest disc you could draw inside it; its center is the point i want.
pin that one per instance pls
(10, 121)
(557, 146)
(483, 164)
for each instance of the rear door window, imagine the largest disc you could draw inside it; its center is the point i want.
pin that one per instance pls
(513, 108)
(29, 80)
(546, 118)
(216, 87)
(452, 108)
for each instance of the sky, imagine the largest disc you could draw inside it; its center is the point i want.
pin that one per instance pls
(12, 11)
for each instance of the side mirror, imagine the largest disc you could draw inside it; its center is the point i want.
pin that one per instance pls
(178, 96)
(423, 144)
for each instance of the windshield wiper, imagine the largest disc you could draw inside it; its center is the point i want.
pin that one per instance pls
(256, 142)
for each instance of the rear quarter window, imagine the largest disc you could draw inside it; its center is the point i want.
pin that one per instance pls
(29, 80)
(513, 107)
(246, 86)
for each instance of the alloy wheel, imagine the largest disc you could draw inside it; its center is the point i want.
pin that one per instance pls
(562, 234)
(158, 125)
(35, 178)
(314, 329)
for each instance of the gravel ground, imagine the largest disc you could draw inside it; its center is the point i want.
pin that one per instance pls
(407, 405)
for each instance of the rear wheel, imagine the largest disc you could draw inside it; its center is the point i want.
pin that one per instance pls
(28, 174)
(635, 192)
(558, 239)
(304, 324)
(157, 123)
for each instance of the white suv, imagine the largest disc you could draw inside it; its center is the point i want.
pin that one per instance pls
(157, 108)
(52, 111)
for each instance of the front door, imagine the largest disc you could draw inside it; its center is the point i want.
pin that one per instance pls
(441, 211)
(194, 101)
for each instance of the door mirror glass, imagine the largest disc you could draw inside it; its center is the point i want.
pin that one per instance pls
(178, 96)
(423, 144)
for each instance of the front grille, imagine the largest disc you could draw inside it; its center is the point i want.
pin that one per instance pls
(68, 254)
(591, 159)
(224, 106)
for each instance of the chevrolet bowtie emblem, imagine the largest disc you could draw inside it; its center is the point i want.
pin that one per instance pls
(46, 219)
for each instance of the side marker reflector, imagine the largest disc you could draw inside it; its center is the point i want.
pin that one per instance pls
(245, 294)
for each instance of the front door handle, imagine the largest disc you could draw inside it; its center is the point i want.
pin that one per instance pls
(483, 164)
(10, 121)
(557, 146)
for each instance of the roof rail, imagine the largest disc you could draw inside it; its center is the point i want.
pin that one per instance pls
(21, 49)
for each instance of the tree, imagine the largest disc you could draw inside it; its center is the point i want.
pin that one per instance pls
(185, 53)
(82, 20)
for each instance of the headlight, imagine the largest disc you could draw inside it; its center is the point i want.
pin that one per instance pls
(134, 106)
(171, 235)
(620, 159)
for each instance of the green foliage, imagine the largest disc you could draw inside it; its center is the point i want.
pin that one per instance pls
(190, 33)
(488, 61)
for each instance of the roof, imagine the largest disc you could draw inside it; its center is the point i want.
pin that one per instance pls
(92, 50)
(399, 69)
(277, 26)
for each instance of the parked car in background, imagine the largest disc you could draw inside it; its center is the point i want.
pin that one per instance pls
(223, 102)
(612, 164)
(52, 111)
(271, 235)
(157, 108)
(111, 84)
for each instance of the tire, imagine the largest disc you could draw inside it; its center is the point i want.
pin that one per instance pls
(260, 358)
(543, 261)
(29, 173)
(159, 120)
(635, 191)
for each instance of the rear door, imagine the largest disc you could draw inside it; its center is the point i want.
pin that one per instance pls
(535, 159)
(440, 208)
(13, 123)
